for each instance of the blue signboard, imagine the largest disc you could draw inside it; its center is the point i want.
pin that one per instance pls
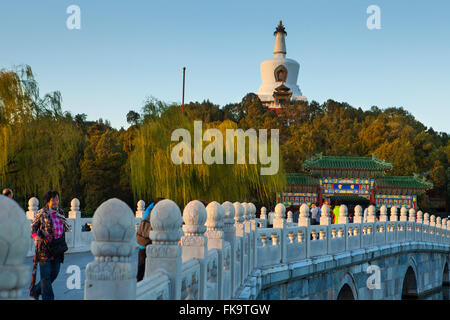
(346, 186)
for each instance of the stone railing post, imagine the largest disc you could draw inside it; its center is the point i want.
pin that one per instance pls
(194, 242)
(75, 214)
(246, 212)
(248, 234)
(371, 218)
(33, 207)
(303, 218)
(140, 209)
(383, 214)
(112, 275)
(164, 253)
(290, 217)
(343, 214)
(438, 222)
(253, 211)
(419, 217)
(14, 245)
(214, 232)
(358, 218)
(229, 232)
(432, 221)
(240, 238)
(403, 214)
(412, 215)
(394, 216)
(325, 219)
(426, 218)
(279, 221)
(253, 236)
(263, 215)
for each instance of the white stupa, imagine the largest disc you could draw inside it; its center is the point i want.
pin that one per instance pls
(279, 75)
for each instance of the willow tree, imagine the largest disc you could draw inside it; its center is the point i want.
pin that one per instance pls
(39, 143)
(153, 174)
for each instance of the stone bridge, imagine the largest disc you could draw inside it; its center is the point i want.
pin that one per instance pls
(222, 251)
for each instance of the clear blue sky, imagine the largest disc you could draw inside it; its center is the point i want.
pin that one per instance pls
(127, 50)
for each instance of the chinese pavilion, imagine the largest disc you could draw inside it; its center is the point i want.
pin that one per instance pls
(351, 180)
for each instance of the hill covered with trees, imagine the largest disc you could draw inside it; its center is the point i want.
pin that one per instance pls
(42, 147)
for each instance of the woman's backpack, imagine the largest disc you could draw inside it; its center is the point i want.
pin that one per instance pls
(143, 233)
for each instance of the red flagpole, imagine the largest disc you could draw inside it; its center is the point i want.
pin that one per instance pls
(182, 103)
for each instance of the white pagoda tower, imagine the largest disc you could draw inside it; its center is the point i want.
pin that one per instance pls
(279, 75)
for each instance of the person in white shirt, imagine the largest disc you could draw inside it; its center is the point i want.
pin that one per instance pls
(314, 214)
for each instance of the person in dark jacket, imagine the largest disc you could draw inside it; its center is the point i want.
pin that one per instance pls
(48, 225)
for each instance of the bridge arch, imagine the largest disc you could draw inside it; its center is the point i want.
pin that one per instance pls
(347, 288)
(445, 275)
(409, 287)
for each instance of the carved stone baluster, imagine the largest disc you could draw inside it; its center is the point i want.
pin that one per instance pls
(264, 240)
(279, 221)
(333, 233)
(412, 215)
(290, 217)
(291, 237)
(194, 243)
(358, 215)
(343, 214)
(229, 231)
(140, 209)
(383, 214)
(371, 218)
(15, 234)
(394, 216)
(303, 219)
(426, 218)
(75, 214)
(112, 275)
(325, 219)
(274, 239)
(164, 252)
(403, 214)
(321, 234)
(419, 216)
(433, 221)
(33, 207)
(263, 215)
(438, 222)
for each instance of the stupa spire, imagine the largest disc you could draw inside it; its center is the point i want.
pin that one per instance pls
(280, 43)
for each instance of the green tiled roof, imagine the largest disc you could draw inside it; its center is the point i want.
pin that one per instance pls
(300, 178)
(403, 182)
(336, 162)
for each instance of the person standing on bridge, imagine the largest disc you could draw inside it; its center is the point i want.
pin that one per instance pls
(48, 231)
(314, 214)
(143, 239)
(336, 213)
(7, 193)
